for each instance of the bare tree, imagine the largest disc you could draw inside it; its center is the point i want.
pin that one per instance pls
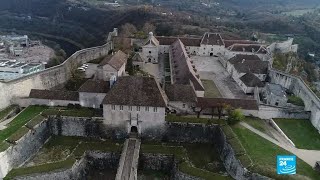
(128, 30)
(148, 27)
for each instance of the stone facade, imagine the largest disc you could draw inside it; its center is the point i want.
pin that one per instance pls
(93, 100)
(141, 117)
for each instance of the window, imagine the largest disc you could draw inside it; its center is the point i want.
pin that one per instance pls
(113, 107)
(211, 49)
(155, 109)
(184, 105)
(138, 108)
(121, 108)
(147, 109)
(149, 52)
(130, 108)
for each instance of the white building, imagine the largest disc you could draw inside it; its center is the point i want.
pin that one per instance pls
(150, 50)
(92, 93)
(135, 103)
(112, 65)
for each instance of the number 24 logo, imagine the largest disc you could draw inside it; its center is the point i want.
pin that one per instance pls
(283, 163)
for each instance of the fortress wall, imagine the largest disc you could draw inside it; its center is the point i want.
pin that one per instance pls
(50, 77)
(300, 89)
(25, 148)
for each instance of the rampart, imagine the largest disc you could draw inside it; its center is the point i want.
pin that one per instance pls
(50, 77)
(297, 86)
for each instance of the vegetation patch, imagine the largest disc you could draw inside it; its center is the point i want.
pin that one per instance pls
(263, 154)
(6, 111)
(258, 124)
(188, 157)
(295, 100)
(301, 132)
(18, 134)
(62, 152)
(188, 119)
(35, 121)
(74, 112)
(19, 121)
(211, 90)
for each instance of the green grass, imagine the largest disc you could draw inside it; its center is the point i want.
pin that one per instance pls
(6, 111)
(258, 124)
(18, 134)
(301, 132)
(295, 100)
(40, 168)
(263, 154)
(211, 90)
(19, 121)
(199, 154)
(35, 121)
(81, 112)
(174, 118)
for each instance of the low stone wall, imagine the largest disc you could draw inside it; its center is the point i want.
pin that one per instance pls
(79, 170)
(277, 128)
(269, 112)
(164, 163)
(25, 148)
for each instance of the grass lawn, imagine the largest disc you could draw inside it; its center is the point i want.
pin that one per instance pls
(174, 118)
(295, 100)
(200, 155)
(211, 90)
(19, 121)
(263, 153)
(6, 111)
(301, 132)
(80, 112)
(258, 124)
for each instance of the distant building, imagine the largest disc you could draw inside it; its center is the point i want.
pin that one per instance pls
(12, 69)
(112, 65)
(135, 104)
(150, 50)
(276, 95)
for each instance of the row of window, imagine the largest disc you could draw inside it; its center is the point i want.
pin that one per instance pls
(138, 108)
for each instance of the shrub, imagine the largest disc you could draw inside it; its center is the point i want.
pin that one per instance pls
(235, 116)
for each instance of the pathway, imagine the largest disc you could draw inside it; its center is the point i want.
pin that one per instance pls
(308, 156)
(128, 165)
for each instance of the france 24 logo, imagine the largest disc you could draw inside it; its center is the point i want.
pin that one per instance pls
(286, 164)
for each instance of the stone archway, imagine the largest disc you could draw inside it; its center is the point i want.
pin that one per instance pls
(133, 129)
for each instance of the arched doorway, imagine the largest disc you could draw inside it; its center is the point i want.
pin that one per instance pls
(134, 129)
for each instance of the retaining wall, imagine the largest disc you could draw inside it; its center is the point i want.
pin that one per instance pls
(25, 148)
(301, 89)
(51, 77)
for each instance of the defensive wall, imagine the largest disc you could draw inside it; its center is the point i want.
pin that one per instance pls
(48, 78)
(30, 143)
(297, 86)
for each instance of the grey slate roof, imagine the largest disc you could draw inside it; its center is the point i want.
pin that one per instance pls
(183, 72)
(135, 91)
(116, 61)
(187, 41)
(179, 92)
(249, 63)
(250, 80)
(95, 86)
(54, 95)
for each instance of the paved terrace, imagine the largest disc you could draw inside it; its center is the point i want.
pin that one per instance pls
(128, 165)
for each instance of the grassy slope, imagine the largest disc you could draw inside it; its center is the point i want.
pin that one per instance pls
(5, 111)
(301, 132)
(264, 153)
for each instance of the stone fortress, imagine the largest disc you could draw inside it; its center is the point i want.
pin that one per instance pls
(139, 104)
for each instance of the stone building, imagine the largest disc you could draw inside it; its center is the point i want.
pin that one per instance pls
(182, 98)
(182, 69)
(92, 93)
(135, 104)
(150, 50)
(275, 95)
(112, 65)
(211, 44)
(247, 71)
(53, 98)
